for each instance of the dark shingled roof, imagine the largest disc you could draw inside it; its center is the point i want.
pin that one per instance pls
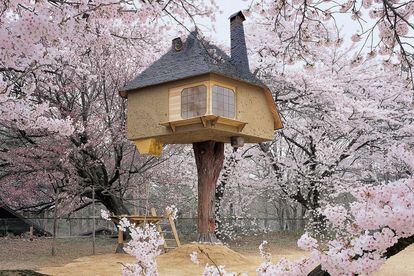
(197, 57)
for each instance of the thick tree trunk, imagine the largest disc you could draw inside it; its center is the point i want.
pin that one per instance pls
(209, 157)
(113, 203)
(220, 189)
(116, 206)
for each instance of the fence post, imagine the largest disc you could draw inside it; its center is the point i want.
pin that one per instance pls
(31, 233)
(55, 224)
(93, 219)
(70, 226)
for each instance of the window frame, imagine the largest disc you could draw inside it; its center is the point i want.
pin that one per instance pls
(175, 104)
(233, 90)
(207, 98)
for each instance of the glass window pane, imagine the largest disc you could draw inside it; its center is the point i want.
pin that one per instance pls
(193, 101)
(223, 102)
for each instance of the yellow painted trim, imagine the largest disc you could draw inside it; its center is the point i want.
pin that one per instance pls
(273, 109)
(150, 146)
(191, 84)
(212, 83)
(211, 119)
(209, 100)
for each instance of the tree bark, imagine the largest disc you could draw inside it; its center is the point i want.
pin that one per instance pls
(116, 206)
(113, 203)
(317, 271)
(209, 157)
(401, 244)
(229, 165)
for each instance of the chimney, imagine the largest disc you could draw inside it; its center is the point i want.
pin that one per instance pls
(238, 42)
(177, 44)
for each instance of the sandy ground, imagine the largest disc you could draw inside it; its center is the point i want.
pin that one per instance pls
(73, 257)
(177, 262)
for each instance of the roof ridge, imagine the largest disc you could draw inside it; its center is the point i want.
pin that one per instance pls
(198, 56)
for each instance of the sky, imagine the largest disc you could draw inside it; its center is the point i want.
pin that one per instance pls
(222, 32)
(222, 24)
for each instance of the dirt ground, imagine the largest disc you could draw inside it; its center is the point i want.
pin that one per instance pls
(25, 254)
(74, 258)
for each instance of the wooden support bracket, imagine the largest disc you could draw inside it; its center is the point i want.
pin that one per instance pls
(172, 126)
(206, 121)
(203, 121)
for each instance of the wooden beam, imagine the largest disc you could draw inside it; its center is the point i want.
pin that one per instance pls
(120, 246)
(206, 121)
(173, 229)
(159, 229)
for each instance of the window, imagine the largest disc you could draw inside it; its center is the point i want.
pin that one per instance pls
(223, 102)
(193, 101)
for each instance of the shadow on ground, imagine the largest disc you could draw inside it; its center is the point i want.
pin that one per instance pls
(21, 272)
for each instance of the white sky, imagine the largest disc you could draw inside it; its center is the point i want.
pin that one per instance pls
(222, 32)
(222, 24)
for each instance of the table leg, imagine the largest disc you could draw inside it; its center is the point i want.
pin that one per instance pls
(120, 246)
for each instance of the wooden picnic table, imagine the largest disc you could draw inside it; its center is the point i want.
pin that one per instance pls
(139, 220)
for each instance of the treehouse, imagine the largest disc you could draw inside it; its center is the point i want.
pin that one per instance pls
(195, 93)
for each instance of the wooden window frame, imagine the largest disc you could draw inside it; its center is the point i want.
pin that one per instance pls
(205, 101)
(224, 103)
(174, 98)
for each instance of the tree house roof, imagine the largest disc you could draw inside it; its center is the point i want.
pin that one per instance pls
(196, 57)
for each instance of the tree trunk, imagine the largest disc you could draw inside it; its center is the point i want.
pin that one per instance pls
(116, 206)
(317, 271)
(401, 244)
(229, 165)
(209, 157)
(113, 203)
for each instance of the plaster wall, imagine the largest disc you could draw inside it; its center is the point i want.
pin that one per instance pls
(148, 107)
(251, 107)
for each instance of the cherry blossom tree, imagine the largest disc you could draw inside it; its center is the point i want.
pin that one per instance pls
(294, 30)
(374, 226)
(62, 64)
(144, 246)
(342, 121)
(347, 113)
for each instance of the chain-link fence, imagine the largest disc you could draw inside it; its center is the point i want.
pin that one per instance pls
(65, 227)
(186, 226)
